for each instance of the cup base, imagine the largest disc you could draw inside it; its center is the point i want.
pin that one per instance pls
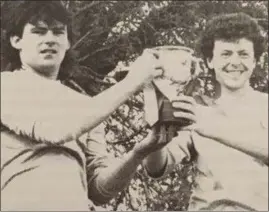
(166, 115)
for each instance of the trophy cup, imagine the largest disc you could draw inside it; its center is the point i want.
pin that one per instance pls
(180, 71)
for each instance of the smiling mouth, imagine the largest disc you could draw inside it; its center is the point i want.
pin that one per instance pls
(234, 72)
(235, 75)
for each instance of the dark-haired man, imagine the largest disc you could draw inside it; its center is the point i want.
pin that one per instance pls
(228, 141)
(43, 163)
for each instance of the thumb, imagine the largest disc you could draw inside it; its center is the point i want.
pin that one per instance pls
(154, 52)
(159, 70)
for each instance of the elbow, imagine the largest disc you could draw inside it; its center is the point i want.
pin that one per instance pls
(262, 159)
(264, 156)
(98, 194)
(266, 161)
(97, 197)
(100, 201)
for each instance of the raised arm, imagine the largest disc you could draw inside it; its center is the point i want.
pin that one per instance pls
(252, 141)
(54, 113)
(247, 135)
(107, 175)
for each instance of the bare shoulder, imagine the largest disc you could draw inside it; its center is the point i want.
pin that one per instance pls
(261, 97)
(8, 75)
(11, 82)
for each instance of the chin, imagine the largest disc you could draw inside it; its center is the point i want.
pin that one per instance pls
(49, 64)
(234, 86)
(47, 67)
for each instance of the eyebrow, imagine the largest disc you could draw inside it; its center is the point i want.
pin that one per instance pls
(243, 50)
(62, 28)
(226, 50)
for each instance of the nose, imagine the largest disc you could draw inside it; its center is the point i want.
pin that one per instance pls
(50, 38)
(235, 60)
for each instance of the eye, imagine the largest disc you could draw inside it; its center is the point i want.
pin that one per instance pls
(244, 54)
(39, 31)
(58, 32)
(225, 54)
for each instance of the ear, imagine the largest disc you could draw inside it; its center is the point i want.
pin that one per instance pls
(15, 42)
(209, 63)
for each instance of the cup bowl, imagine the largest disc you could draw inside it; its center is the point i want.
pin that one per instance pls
(176, 61)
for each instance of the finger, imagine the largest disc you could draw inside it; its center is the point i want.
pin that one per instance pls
(150, 138)
(185, 106)
(152, 52)
(155, 53)
(150, 133)
(139, 137)
(156, 128)
(189, 127)
(149, 130)
(189, 116)
(159, 71)
(152, 57)
(146, 133)
(183, 98)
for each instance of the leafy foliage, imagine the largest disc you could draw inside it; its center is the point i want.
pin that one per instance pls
(109, 36)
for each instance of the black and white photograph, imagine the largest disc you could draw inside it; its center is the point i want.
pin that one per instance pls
(134, 105)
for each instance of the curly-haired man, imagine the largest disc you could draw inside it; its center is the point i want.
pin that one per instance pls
(228, 141)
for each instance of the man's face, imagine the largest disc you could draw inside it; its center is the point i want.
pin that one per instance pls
(233, 62)
(42, 47)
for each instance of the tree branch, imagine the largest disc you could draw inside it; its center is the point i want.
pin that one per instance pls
(92, 53)
(86, 8)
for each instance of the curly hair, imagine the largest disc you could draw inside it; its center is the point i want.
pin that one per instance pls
(18, 13)
(231, 27)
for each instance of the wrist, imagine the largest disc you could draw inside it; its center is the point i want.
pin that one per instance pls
(145, 147)
(138, 153)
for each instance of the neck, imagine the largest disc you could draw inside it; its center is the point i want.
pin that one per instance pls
(236, 94)
(46, 72)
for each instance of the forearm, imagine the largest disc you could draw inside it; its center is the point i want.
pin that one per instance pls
(114, 178)
(251, 142)
(105, 103)
(64, 115)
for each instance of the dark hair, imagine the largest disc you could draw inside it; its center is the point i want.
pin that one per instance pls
(230, 27)
(16, 14)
